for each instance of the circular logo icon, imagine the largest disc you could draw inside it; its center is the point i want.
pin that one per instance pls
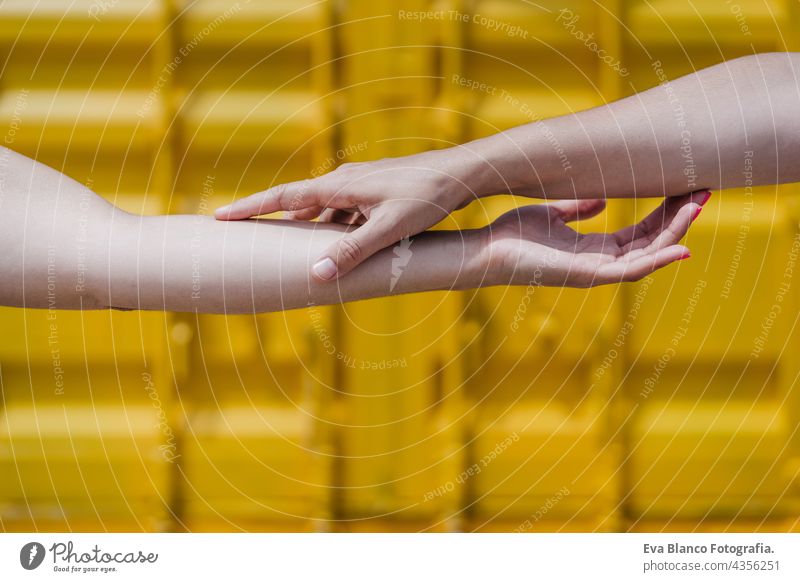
(31, 555)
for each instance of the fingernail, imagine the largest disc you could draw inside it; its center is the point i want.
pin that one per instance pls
(325, 269)
(696, 213)
(685, 255)
(222, 210)
(705, 198)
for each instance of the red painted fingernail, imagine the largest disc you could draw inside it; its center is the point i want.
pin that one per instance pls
(685, 255)
(696, 213)
(705, 198)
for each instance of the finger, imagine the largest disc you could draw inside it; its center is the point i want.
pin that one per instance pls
(644, 232)
(309, 213)
(672, 227)
(633, 270)
(569, 210)
(352, 249)
(641, 230)
(668, 235)
(293, 196)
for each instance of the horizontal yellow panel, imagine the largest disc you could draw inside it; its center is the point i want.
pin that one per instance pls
(711, 458)
(495, 22)
(230, 338)
(72, 517)
(277, 22)
(714, 525)
(282, 120)
(537, 448)
(248, 453)
(82, 452)
(86, 20)
(275, 338)
(707, 21)
(41, 335)
(289, 426)
(546, 457)
(223, 519)
(544, 524)
(237, 511)
(89, 119)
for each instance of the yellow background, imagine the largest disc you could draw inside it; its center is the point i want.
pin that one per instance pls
(383, 415)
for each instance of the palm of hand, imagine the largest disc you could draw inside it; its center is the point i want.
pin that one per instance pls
(533, 245)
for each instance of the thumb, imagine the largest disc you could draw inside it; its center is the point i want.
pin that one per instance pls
(569, 210)
(352, 249)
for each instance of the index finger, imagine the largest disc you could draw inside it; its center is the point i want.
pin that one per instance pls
(291, 197)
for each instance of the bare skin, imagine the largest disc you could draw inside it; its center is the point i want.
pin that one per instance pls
(65, 247)
(690, 134)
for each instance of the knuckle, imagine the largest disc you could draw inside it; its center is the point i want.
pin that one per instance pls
(350, 250)
(336, 184)
(278, 192)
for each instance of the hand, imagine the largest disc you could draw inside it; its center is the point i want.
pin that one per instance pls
(390, 199)
(533, 245)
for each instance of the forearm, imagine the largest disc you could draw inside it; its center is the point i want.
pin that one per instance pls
(696, 132)
(194, 263)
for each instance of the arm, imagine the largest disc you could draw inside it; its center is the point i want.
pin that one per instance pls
(66, 248)
(690, 134)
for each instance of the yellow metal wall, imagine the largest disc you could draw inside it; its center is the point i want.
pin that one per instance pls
(621, 408)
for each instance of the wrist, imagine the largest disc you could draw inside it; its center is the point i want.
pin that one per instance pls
(464, 267)
(472, 172)
(488, 166)
(483, 269)
(517, 161)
